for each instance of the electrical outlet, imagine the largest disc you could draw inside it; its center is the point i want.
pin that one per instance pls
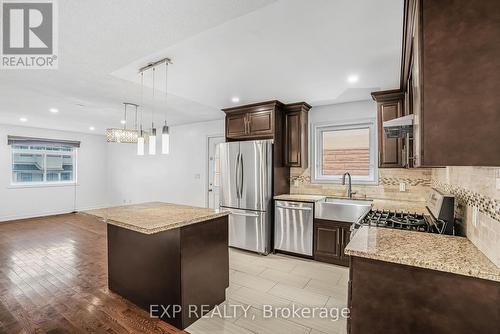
(402, 186)
(474, 215)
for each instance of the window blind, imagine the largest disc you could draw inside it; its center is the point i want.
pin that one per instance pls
(18, 140)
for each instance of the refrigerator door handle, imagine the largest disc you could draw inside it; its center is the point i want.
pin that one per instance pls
(236, 176)
(242, 175)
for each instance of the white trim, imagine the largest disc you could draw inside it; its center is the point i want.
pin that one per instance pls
(316, 143)
(43, 185)
(207, 165)
(48, 213)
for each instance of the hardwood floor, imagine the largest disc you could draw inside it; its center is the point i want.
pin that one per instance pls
(53, 279)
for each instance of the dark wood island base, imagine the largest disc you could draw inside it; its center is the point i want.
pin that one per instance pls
(177, 275)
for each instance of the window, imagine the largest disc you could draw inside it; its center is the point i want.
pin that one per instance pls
(341, 148)
(43, 163)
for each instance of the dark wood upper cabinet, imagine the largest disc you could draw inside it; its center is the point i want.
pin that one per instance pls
(254, 121)
(261, 123)
(296, 134)
(450, 78)
(389, 106)
(330, 240)
(236, 125)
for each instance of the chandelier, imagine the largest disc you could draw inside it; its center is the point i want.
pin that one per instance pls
(124, 135)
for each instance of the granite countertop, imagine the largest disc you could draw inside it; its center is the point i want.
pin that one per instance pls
(446, 253)
(300, 198)
(154, 217)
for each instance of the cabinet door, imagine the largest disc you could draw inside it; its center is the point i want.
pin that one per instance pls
(236, 125)
(346, 237)
(260, 123)
(330, 239)
(389, 148)
(293, 144)
(327, 239)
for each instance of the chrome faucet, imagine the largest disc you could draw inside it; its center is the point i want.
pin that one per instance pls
(350, 192)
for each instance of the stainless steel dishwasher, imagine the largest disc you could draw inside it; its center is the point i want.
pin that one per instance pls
(293, 227)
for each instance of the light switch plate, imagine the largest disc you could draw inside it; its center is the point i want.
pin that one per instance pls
(197, 176)
(474, 215)
(402, 186)
(498, 183)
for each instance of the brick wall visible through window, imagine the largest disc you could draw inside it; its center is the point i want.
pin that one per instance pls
(339, 161)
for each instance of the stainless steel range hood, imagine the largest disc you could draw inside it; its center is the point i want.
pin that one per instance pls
(399, 127)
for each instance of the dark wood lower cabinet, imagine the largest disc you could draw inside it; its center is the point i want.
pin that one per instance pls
(389, 298)
(330, 240)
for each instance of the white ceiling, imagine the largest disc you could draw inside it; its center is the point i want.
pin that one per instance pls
(291, 50)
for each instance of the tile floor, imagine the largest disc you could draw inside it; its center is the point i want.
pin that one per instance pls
(279, 281)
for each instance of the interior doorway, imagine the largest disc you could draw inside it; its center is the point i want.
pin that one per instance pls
(213, 172)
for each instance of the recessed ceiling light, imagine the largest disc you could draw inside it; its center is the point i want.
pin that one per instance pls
(91, 128)
(352, 78)
(123, 121)
(235, 99)
(54, 110)
(23, 119)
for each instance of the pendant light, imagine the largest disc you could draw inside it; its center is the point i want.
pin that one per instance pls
(165, 135)
(140, 138)
(152, 135)
(123, 135)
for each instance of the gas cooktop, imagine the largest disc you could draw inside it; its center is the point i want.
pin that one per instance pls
(399, 220)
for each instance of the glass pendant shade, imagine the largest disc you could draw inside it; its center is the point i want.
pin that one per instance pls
(140, 145)
(152, 142)
(165, 140)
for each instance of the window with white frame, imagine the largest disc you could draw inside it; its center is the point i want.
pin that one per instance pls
(43, 163)
(344, 148)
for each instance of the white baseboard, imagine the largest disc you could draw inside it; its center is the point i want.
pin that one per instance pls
(47, 213)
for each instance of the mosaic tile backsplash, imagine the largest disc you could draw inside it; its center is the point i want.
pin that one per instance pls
(417, 182)
(475, 187)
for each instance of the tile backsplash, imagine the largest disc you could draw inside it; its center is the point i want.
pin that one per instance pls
(475, 187)
(417, 183)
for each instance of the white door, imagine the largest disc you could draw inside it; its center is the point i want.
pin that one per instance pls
(213, 172)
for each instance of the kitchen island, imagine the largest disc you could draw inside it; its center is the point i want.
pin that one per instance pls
(171, 260)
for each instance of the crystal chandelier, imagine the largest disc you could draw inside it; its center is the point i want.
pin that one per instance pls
(128, 136)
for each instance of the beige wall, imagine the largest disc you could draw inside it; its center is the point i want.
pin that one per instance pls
(386, 194)
(475, 187)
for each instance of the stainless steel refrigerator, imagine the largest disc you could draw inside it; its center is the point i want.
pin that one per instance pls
(246, 173)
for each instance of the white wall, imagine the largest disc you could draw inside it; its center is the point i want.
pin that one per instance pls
(343, 112)
(112, 174)
(91, 190)
(180, 177)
